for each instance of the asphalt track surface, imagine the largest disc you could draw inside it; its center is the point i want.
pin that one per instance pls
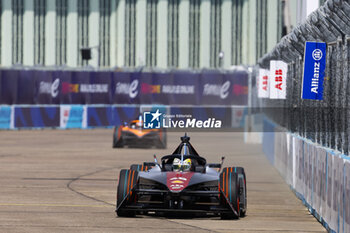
(65, 181)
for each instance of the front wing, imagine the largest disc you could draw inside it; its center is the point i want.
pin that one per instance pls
(212, 202)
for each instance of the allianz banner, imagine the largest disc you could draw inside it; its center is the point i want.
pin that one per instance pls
(314, 66)
(106, 87)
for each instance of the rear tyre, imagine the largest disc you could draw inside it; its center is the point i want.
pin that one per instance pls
(242, 190)
(127, 180)
(229, 187)
(139, 167)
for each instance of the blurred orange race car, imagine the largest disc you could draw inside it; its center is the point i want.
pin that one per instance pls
(134, 135)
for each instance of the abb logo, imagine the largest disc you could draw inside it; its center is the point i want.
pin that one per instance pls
(277, 83)
(278, 79)
(66, 113)
(265, 82)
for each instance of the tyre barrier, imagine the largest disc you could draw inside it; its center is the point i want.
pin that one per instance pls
(319, 176)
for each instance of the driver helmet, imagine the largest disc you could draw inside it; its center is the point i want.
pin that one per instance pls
(186, 166)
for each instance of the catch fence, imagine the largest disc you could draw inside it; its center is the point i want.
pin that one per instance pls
(326, 122)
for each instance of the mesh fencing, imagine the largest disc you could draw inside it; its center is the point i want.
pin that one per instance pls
(326, 122)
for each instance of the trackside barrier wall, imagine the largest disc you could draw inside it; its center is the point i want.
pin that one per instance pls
(191, 88)
(319, 176)
(6, 117)
(92, 116)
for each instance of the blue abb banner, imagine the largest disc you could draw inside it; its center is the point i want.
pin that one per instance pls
(106, 87)
(314, 66)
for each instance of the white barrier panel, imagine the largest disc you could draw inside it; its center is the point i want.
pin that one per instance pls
(329, 190)
(73, 116)
(318, 179)
(289, 162)
(323, 168)
(336, 160)
(340, 171)
(281, 153)
(341, 198)
(285, 155)
(313, 175)
(276, 147)
(299, 167)
(347, 196)
(307, 179)
(278, 151)
(295, 151)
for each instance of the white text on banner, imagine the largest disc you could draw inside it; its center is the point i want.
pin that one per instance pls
(263, 83)
(314, 66)
(278, 79)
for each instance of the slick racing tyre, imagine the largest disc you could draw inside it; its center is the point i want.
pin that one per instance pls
(117, 139)
(242, 190)
(229, 191)
(139, 167)
(117, 144)
(127, 180)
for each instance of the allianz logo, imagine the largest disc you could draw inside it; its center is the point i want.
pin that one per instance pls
(217, 90)
(127, 88)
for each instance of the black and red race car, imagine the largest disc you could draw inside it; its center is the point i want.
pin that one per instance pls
(203, 189)
(134, 135)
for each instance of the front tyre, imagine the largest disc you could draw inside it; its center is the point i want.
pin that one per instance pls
(117, 144)
(127, 181)
(242, 190)
(229, 187)
(117, 139)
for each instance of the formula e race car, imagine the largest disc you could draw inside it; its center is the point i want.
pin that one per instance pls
(175, 187)
(136, 136)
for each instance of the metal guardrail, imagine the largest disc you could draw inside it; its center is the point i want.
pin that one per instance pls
(326, 122)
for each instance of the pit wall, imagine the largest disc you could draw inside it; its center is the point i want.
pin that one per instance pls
(97, 116)
(319, 176)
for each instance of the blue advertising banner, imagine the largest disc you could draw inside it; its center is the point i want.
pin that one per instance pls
(36, 117)
(314, 66)
(99, 116)
(184, 88)
(6, 117)
(99, 87)
(8, 86)
(105, 116)
(106, 87)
